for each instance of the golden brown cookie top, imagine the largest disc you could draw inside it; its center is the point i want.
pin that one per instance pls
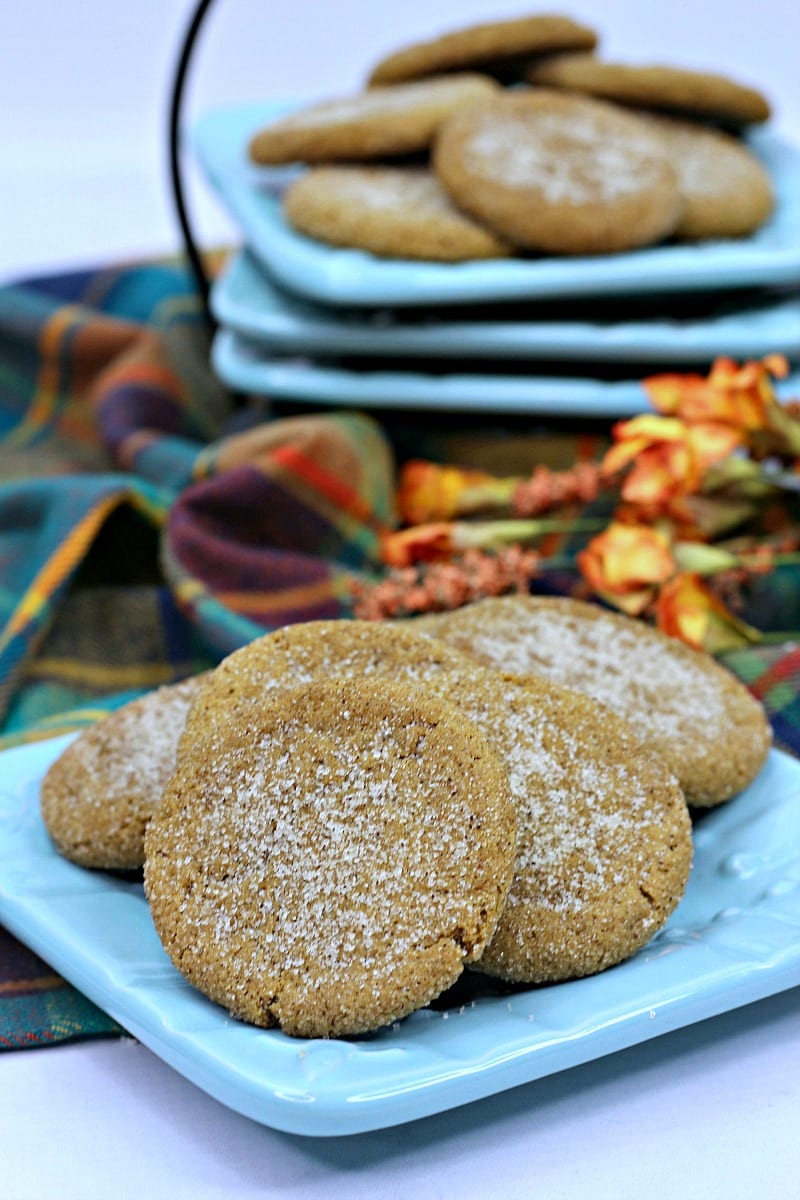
(700, 718)
(385, 121)
(592, 805)
(558, 173)
(336, 860)
(726, 190)
(394, 212)
(490, 46)
(306, 652)
(702, 94)
(99, 794)
(604, 846)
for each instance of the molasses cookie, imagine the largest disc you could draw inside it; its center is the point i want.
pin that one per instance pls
(99, 794)
(380, 123)
(499, 47)
(559, 173)
(330, 863)
(701, 720)
(604, 842)
(308, 651)
(726, 191)
(604, 845)
(394, 212)
(699, 94)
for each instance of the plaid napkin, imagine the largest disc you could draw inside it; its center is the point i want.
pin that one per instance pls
(150, 523)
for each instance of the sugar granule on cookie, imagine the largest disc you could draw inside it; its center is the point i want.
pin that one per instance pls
(604, 840)
(558, 173)
(385, 122)
(726, 190)
(99, 794)
(394, 212)
(702, 721)
(330, 864)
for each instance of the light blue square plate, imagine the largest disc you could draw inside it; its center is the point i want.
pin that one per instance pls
(734, 939)
(246, 367)
(244, 300)
(332, 276)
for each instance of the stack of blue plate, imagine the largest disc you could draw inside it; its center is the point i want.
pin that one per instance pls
(303, 321)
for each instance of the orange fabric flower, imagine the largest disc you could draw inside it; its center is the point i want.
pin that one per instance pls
(422, 543)
(740, 397)
(669, 457)
(434, 492)
(686, 608)
(430, 491)
(626, 564)
(441, 540)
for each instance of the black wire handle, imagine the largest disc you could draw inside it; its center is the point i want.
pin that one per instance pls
(176, 178)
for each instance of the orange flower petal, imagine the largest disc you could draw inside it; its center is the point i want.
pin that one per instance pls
(686, 608)
(427, 543)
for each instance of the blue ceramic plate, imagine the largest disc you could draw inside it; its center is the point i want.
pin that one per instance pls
(244, 300)
(734, 939)
(350, 277)
(246, 367)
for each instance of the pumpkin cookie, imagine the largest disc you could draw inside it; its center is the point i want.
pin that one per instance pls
(698, 94)
(726, 191)
(558, 173)
(499, 47)
(604, 845)
(395, 212)
(335, 861)
(701, 720)
(379, 123)
(98, 796)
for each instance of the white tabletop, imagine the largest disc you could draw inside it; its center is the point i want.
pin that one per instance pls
(709, 1111)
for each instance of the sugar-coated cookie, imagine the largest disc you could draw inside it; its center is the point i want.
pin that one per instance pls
(726, 191)
(604, 843)
(331, 862)
(394, 212)
(306, 652)
(499, 47)
(383, 122)
(701, 720)
(558, 173)
(99, 794)
(699, 94)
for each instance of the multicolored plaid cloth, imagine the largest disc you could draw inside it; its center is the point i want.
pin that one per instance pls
(150, 523)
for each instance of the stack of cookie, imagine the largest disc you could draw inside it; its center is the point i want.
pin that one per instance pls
(571, 160)
(496, 163)
(344, 814)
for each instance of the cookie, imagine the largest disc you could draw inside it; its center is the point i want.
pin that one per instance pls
(330, 864)
(559, 174)
(308, 651)
(380, 123)
(702, 721)
(726, 191)
(499, 47)
(699, 94)
(394, 212)
(604, 842)
(99, 794)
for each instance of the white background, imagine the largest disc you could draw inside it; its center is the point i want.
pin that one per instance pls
(84, 86)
